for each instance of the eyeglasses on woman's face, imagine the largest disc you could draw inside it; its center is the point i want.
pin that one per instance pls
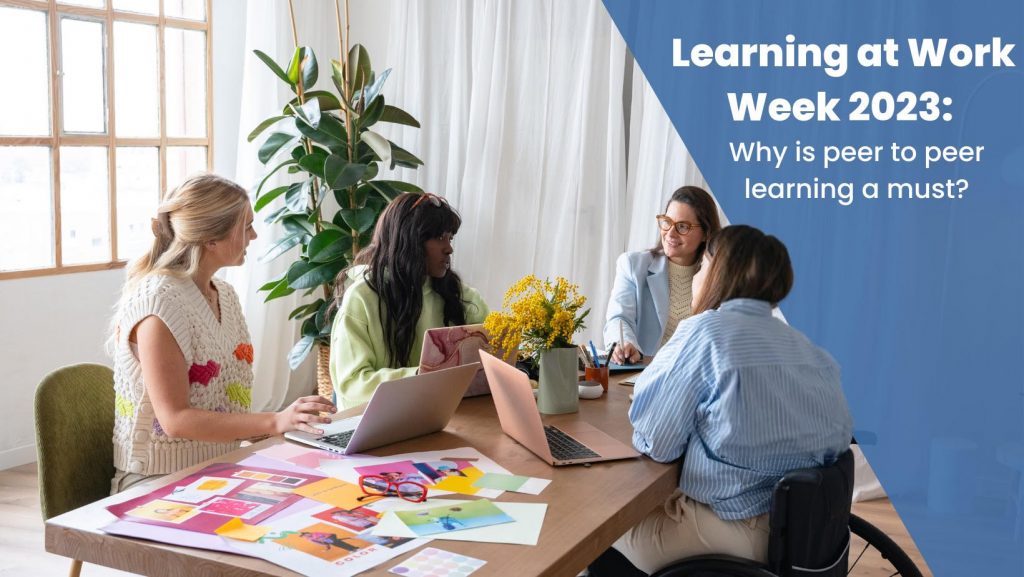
(682, 227)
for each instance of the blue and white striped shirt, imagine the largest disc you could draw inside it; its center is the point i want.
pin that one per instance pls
(746, 398)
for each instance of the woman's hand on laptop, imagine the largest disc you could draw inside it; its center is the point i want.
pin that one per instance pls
(303, 414)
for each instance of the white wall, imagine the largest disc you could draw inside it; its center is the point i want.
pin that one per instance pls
(49, 322)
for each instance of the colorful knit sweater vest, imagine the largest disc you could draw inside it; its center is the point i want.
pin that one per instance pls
(219, 356)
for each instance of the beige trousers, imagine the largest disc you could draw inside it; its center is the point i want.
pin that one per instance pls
(683, 528)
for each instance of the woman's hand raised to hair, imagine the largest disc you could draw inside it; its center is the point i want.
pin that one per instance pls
(303, 415)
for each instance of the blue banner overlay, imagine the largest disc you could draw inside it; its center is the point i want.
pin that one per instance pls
(883, 142)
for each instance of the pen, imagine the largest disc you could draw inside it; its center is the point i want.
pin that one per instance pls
(597, 360)
(611, 353)
(622, 338)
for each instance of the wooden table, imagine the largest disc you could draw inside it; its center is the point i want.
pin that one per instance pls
(588, 507)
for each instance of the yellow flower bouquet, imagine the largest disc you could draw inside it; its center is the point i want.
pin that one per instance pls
(541, 315)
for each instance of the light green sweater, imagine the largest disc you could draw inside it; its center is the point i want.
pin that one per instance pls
(358, 350)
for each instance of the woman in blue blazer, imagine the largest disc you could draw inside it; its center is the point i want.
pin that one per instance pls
(654, 288)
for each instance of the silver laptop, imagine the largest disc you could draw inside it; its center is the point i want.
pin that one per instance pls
(572, 441)
(398, 410)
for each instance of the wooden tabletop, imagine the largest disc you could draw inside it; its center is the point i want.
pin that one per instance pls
(588, 507)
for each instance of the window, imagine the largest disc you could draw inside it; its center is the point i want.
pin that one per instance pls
(112, 105)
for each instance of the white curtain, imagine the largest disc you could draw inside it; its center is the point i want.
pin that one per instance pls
(521, 104)
(268, 28)
(658, 164)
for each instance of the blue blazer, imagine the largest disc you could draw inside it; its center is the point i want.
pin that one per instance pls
(639, 300)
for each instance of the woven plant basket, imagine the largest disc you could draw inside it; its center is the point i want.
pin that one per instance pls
(324, 388)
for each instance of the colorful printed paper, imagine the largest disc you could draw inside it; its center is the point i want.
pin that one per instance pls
(237, 529)
(447, 518)
(517, 483)
(305, 543)
(307, 457)
(251, 493)
(460, 481)
(437, 461)
(529, 520)
(337, 493)
(431, 562)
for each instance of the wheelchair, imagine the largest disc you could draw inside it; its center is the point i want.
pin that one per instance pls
(812, 534)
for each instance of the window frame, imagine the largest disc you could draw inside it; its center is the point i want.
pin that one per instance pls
(54, 12)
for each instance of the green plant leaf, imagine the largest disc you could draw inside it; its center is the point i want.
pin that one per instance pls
(273, 144)
(271, 284)
(282, 246)
(379, 144)
(264, 200)
(404, 158)
(303, 61)
(303, 274)
(297, 198)
(308, 112)
(337, 76)
(277, 214)
(314, 163)
(264, 125)
(323, 320)
(280, 290)
(359, 67)
(330, 132)
(267, 176)
(274, 67)
(340, 173)
(402, 186)
(306, 309)
(396, 115)
(360, 219)
(300, 351)
(326, 100)
(296, 222)
(370, 92)
(384, 189)
(373, 112)
(326, 246)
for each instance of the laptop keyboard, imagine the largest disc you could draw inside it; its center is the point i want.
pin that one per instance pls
(338, 439)
(565, 448)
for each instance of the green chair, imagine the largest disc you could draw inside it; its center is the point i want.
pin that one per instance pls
(74, 439)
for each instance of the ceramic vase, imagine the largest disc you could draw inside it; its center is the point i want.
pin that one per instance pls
(557, 392)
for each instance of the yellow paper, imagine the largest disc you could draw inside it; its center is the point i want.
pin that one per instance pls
(460, 483)
(337, 493)
(212, 485)
(236, 529)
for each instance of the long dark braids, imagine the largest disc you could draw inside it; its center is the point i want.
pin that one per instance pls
(396, 269)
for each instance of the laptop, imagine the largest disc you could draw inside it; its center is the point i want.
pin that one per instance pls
(398, 410)
(447, 347)
(572, 441)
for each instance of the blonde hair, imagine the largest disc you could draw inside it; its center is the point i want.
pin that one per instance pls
(205, 207)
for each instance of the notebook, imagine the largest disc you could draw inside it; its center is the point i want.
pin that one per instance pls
(447, 347)
(398, 410)
(573, 441)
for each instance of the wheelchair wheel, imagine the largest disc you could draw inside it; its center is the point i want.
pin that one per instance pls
(868, 544)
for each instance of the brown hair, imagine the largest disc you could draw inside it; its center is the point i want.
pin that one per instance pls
(707, 215)
(745, 263)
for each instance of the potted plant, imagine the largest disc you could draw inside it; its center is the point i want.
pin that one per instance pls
(327, 141)
(541, 319)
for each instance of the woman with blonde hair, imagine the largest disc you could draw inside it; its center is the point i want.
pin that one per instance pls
(181, 348)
